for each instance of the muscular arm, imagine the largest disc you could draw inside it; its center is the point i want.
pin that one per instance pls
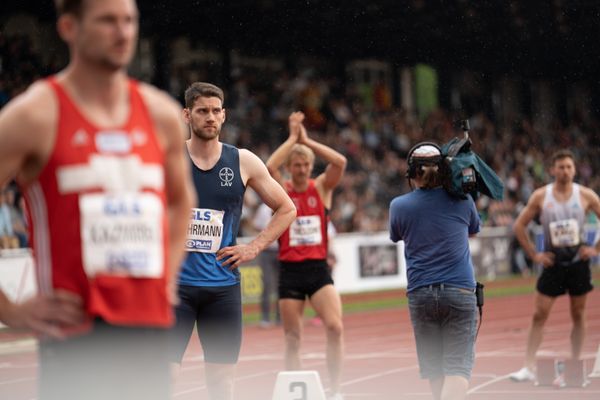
(180, 196)
(273, 195)
(27, 132)
(533, 208)
(13, 147)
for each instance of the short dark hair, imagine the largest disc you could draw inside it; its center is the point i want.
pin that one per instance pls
(560, 154)
(74, 7)
(202, 89)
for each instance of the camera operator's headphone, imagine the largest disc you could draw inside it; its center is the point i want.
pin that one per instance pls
(411, 172)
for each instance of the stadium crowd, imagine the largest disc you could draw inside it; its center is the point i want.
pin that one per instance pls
(361, 122)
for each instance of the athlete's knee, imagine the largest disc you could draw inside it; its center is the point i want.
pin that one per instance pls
(578, 313)
(540, 317)
(219, 380)
(334, 328)
(578, 316)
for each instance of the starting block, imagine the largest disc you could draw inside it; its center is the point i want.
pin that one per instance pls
(596, 370)
(292, 385)
(545, 372)
(559, 373)
(575, 375)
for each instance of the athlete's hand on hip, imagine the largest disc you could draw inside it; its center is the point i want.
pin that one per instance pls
(545, 258)
(48, 313)
(587, 252)
(234, 256)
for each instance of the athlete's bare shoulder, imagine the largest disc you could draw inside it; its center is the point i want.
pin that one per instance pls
(159, 102)
(251, 165)
(247, 155)
(35, 108)
(536, 200)
(539, 193)
(588, 194)
(165, 112)
(27, 131)
(586, 191)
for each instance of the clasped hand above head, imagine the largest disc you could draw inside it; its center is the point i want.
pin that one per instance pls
(297, 130)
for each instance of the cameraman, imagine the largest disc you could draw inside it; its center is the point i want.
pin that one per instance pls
(435, 227)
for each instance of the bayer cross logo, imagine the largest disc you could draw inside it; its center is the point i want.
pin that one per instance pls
(226, 175)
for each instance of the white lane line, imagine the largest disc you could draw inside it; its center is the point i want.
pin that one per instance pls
(378, 375)
(564, 392)
(313, 356)
(9, 365)
(18, 346)
(193, 389)
(17, 381)
(485, 384)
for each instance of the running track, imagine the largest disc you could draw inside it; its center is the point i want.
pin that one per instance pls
(380, 357)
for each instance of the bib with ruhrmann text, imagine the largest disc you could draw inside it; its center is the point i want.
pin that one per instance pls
(205, 230)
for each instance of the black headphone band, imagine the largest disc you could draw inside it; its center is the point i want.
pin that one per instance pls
(411, 172)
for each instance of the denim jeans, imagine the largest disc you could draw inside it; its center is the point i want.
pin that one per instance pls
(444, 320)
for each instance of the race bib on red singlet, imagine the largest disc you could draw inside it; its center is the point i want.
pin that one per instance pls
(564, 233)
(122, 234)
(205, 230)
(306, 231)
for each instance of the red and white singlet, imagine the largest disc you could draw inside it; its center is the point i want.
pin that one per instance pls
(306, 238)
(97, 215)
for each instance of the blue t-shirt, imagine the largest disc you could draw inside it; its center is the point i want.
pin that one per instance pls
(435, 228)
(214, 221)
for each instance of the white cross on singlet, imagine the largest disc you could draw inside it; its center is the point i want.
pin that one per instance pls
(111, 173)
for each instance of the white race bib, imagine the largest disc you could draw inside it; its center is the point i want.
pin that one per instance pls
(306, 231)
(122, 234)
(205, 230)
(564, 233)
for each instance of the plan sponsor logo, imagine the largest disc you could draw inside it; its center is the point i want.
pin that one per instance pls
(198, 244)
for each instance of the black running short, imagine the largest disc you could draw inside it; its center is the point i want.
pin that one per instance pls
(298, 280)
(574, 278)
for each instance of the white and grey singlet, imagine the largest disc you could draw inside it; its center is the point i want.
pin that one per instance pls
(563, 224)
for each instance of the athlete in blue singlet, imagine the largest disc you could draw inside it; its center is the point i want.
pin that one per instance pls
(209, 284)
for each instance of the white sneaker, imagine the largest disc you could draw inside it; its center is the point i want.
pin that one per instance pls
(264, 324)
(522, 375)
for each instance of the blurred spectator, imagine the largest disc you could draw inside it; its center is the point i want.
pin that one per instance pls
(17, 216)
(360, 120)
(8, 239)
